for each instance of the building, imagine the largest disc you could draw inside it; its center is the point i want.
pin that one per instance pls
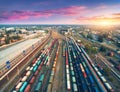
(2, 41)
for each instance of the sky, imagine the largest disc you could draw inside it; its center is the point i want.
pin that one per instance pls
(60, 12)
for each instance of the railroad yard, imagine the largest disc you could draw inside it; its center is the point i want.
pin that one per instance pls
(59, 45)
(61, 66)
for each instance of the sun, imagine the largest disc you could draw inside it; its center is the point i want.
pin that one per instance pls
(105, 23)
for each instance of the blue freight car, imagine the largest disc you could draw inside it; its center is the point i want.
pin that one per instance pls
(95, 89)
(87, 71)
(39, 62)
(84, 87)
(38, 87)
(41, 78)
(91, 79)
(35, 68)
(23, 86)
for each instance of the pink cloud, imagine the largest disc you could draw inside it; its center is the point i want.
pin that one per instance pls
(20, 15)
(102, 7)
(69, 11)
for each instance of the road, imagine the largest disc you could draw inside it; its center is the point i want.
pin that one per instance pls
(13, 51)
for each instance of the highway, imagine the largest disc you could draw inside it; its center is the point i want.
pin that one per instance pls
(13, 51)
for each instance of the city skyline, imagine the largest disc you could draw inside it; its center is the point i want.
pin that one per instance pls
(60, 12)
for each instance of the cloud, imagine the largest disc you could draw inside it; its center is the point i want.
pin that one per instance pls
(18, 17)
(97, 19)
(70, 11)
(116, 14)
(107, 6)
(102, 7)
(44, 3)
(21, 15)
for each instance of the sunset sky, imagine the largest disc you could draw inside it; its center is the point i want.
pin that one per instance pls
(59, 11)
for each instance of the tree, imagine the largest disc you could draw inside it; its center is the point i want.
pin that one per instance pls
(46, 31)
(107, 70)
(16, 37)
(1, 35)
(105, 35)
(103, 49)
(94, 50)
(118, 44)
(89, 36)
(88, 48)
(100, 38)
(7, 40)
